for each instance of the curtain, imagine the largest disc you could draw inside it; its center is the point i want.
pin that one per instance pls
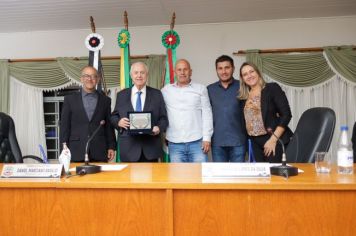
(54, 75)
(43, 75)
(4, 86)
(297, 70)
(155, 64)
(26, 108)
(342, 62)
(156, 69)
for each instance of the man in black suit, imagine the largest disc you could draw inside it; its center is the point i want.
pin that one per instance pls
(140, 147)
(81, 115)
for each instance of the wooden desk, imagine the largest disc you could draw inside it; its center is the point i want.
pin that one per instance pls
(173, 199)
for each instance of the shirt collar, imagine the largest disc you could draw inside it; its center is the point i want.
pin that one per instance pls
(231, 83)
(135, 90)
(176, 84)
(85, 93)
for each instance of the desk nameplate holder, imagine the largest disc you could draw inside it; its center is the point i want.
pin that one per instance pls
(32, 171)
(236, 170)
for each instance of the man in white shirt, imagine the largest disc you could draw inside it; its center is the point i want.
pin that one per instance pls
(190, 117)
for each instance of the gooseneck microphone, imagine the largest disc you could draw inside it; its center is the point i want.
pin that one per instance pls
(87, 168)
(86, 158)
(284, 169)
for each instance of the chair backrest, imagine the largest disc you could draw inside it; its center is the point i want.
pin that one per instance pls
(9, 148)
(314, 133)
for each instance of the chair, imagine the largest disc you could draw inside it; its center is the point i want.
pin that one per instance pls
(314, 133)
(9, 148)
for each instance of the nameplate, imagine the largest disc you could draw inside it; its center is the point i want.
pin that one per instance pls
(31, 171)
(236, 170)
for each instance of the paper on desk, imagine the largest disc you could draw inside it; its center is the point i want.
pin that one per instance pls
(109, 167)
(113, 167)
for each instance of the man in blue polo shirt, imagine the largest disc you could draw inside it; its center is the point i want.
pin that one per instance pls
(229, 139)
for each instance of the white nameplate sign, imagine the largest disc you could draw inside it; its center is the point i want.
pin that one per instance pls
(235, 170)
(31, 171)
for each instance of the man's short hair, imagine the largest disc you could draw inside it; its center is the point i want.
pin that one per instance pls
(139, 63)
(223, 58)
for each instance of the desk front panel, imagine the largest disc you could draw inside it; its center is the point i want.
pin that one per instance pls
(83, 212)
(264, 212)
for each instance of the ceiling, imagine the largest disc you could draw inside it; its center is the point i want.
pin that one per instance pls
(43, 15)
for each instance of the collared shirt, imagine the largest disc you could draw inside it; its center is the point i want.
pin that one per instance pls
(134, 95)
(228, 128)
(189, 113)
(89, 101)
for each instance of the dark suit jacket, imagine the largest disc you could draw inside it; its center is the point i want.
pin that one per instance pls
(131, 146)
(76, 128)
(275, 110)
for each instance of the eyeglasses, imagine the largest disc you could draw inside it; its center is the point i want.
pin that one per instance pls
(88, 77)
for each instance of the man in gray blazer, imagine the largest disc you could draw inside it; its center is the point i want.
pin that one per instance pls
(140, 147)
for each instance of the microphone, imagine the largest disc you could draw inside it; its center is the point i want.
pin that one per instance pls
(284, 169)
(86, 157)
(87, 168)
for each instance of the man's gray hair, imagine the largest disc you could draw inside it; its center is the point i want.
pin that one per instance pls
(139, 63)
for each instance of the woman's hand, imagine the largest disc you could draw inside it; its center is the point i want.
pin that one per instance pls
(270, 146)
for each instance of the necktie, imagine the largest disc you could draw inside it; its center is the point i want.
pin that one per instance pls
(138, 101)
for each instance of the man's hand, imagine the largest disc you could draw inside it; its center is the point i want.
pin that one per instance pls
(205, 146)
(124, 123)
(111, 154)
(155, 130)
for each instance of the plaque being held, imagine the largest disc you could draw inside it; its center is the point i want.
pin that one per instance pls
(140, 122)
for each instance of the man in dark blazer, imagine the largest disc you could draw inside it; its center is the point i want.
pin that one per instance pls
(83, 112)
(140, 147)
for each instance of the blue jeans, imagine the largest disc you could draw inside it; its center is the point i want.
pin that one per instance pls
(187, 152)
(228, 154)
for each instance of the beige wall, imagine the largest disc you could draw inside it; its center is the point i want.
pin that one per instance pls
(200, 43)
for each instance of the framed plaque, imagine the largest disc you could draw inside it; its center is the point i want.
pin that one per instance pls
(140, 122)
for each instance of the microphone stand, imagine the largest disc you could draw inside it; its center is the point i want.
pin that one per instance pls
(88, 168)
(284, 169)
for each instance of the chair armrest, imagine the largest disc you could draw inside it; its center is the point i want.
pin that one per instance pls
(36, 158)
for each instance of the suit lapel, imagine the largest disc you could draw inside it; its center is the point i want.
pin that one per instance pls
(147, 100)
(81, 105)
(97, 105)
(264, 101)
(128, 99)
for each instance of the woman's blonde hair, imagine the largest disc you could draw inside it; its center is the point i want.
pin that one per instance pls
(244, 88)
